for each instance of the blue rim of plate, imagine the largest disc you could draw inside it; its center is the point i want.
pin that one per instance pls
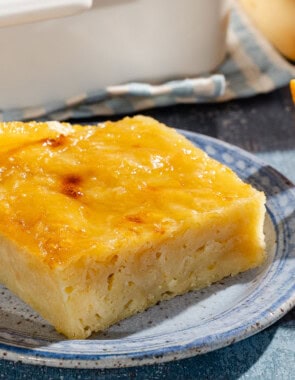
(275, 291)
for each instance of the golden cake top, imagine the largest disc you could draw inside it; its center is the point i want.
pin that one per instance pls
(69, 191)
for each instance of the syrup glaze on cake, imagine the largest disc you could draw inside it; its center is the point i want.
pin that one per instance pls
(127, 202)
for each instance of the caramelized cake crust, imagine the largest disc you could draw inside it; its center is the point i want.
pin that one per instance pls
(100, 222)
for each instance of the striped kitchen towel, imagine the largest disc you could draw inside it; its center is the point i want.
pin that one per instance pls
(252, 66)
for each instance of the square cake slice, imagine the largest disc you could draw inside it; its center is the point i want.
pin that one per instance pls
(100, 222)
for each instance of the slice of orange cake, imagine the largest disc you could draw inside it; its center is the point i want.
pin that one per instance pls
(100, 222)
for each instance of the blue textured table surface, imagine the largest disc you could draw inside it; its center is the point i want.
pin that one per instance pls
(264, 126)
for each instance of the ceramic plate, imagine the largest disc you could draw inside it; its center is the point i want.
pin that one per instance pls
(187, 325)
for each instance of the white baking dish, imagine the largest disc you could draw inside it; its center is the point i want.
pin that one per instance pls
(47, 57)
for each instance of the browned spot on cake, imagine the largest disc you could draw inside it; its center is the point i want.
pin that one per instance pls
(135, 219)
(71, 186)
(52, 142)
(55, 142)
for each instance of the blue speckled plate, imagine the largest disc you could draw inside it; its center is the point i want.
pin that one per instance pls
(195, 323)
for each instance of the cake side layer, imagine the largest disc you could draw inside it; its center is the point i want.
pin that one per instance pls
(225, 244)
(32, 281)
(90, 296)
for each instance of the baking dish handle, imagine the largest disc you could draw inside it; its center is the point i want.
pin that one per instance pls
(14, 12)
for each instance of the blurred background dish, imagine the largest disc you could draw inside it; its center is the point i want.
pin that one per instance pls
(113, 42)
(276, 20)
